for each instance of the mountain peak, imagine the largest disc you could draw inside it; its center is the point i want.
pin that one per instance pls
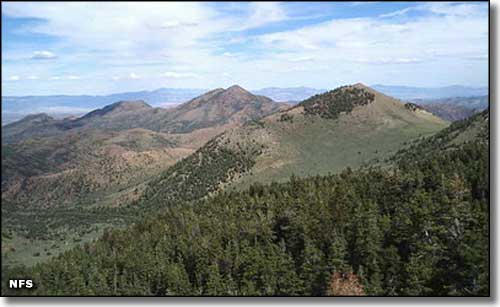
(214, 91)
(119, 107)
(124, 106)
(340, 100)
(130, 105)
(37, 117)
(233, 95)
(233, 105)
(33, 119)
(367, 88)
(360, 85)
(236, 89)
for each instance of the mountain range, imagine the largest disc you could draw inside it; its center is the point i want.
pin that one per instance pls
(215, 108)
(411, 93)
(347, 127)
(114, 147)
(235, 194)
(60, 106)
(113, 155)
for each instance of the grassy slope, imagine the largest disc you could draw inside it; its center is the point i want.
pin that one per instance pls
(291, 142)
(310, 145)
(472, 129)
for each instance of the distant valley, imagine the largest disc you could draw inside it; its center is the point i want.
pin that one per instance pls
(15, 107)
(412, 93)
(455, 108)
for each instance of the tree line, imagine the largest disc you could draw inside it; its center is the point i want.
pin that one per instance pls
(420, 228)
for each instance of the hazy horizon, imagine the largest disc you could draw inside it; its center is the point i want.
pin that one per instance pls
(249, 89)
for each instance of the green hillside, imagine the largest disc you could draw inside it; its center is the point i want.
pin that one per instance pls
(418, 229)
(368, 130)
(315, 138)
(473, 129)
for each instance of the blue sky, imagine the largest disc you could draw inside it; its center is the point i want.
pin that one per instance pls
(98, 48)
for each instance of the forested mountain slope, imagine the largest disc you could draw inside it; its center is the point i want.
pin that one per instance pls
(473, 129)
(420, 228)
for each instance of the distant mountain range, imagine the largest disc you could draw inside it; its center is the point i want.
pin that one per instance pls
(16, 107)
(289, 94)
(60, 106)
(455, 108)
(114, 147)
(219, 107)
(410, 93)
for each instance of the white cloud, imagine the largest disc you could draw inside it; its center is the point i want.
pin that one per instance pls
(439, 8)
(122, 32)
(130, 76)
(398, 13)
(65, 77)
(177, 24)
(358, 3)
(32, 77)
(179, 75)
(263, 13)
(14, 78)
(133, 76)
(139, 28)
(480, 57)
(173, 40)
(384, 61)
(454, 9)
(305, 58)
(387, 40)
(43, 55)
(132, 27)
(296, 69)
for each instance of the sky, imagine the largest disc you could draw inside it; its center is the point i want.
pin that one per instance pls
(100, 48)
